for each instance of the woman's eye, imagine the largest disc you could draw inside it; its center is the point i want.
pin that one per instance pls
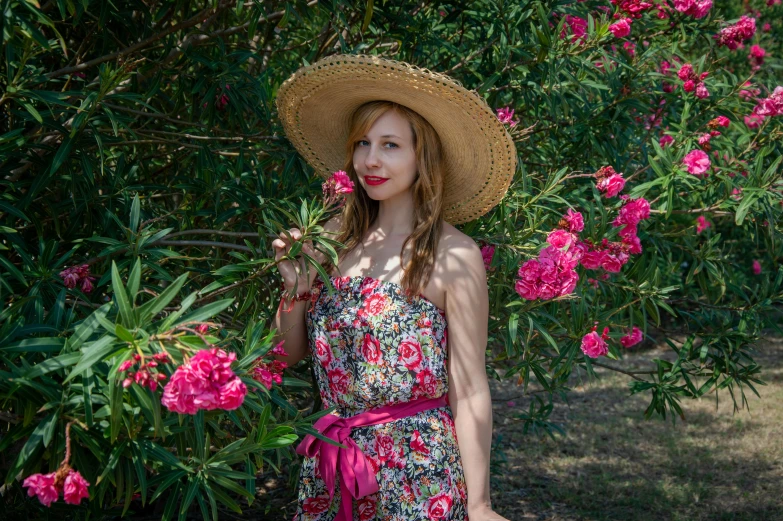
(392, 144)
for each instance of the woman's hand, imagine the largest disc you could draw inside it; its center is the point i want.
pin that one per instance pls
(297, 275)
(485, 514)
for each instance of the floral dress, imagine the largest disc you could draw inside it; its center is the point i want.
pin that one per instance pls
(373, 345)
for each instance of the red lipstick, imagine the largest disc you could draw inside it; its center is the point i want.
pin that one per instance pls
(374, 180)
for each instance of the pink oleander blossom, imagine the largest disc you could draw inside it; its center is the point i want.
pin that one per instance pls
(633, 8)
(612, 185)
(487, 252)
(577, 26)
(695, 8)
(572, 221)
(632, 338)
(701, 91)
(78, 275)
(43, 486)
(632, 212)
(733, 35)
(551, 275)
(336, 187)
(560, 238)
(621, 28)
(665, 140)
(771, 106)
(593, 345)
(702, 224)
(75, 488)
(506, 116)
(756, 267)
(697, 162)
(205, 382)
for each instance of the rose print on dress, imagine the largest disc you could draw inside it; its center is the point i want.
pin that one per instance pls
(409, 352)
(371, 349)
(384, 347)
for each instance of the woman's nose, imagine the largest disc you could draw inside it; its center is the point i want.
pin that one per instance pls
(372, 159)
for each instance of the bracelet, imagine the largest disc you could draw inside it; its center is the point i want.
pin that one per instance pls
(307, 295)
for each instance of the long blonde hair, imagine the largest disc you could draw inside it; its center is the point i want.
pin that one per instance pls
(360, 210)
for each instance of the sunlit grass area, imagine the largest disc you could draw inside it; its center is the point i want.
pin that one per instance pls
(612, 464)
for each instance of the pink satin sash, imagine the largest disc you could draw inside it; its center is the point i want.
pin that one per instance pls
(358, 479)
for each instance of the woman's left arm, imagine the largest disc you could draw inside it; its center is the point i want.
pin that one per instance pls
(467, 314)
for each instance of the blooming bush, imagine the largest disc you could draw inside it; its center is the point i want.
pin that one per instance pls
(145, 173)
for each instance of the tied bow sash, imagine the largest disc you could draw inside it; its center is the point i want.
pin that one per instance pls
(357, 477)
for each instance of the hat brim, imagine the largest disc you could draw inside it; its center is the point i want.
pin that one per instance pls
(316, 103)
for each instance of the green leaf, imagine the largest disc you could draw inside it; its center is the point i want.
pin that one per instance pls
(92, 354)
(121, 297)
(135, 214)
(134, 279)
(156, 305)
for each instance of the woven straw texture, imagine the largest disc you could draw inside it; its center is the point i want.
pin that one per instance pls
(316, 103)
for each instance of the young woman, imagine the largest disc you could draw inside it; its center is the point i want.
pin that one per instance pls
(399, 348)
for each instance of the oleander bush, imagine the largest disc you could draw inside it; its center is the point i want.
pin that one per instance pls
(144, 174)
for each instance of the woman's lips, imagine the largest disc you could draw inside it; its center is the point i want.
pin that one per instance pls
(374, 181)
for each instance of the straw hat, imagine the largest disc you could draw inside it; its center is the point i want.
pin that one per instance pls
(316, 104)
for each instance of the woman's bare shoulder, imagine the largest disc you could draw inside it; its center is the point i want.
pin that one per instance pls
(458, 254)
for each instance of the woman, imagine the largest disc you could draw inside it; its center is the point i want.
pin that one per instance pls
(413, 408)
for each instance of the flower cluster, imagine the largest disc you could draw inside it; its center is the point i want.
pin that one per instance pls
(577, 26)
(692, 81)
(144, 376)
(506, 116)
(78, 275)
(756, 57)
(595, 345)
(65, 481)
(621, 28)
(336, 186)
(733, 35)
(609, 182)
(553, 273)
(205, 382)
(632, 8)
(694, 8)
(697, 162)
(268, 372)
(487, 252)
(771, 106)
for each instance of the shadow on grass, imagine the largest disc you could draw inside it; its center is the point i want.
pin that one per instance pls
(614, 465)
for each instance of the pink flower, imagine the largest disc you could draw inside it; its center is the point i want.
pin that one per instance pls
(279, 350)
(720, 121)
(753, 120)
(506, 116)
(733, 35)
(686, 72)
(560, 238)
(336, 186)
(205, 382)
(611, 185)
(771, 106)
(621, 28)
(487, 252)
(689, 86)
(78, 275)
(630, 48)
(633, 211)
(578, 27)
(75, 488)
(697, 162)
(573, 221)
(702, 224)
(593, 345)
(695, 8)
(757, 52)
(756, 267)
(701, 91)
(632, 338)
(42, 485)
(202, 328)
(665, 140)
(127, 364)
(633, 8)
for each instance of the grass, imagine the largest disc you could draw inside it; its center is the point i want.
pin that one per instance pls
(612, 464)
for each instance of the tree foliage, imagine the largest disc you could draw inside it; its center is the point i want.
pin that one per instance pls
(141, 139)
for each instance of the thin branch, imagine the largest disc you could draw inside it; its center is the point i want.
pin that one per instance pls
(195, 20)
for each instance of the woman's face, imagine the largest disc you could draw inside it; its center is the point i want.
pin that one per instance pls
(385, 159)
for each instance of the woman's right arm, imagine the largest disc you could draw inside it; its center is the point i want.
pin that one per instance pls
(291, 325)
